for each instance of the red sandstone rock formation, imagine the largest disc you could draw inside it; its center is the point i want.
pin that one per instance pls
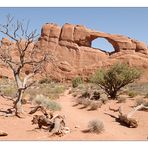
(71, 47)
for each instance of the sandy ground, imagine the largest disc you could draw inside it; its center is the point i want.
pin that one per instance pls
(77, 120)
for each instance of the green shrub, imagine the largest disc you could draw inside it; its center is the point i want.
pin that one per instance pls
(9, 91)
(76, 81)
(121, 99)
(116, 77)
(79, 100)
(95, 126)
(94, 105)
(146, 95)
(45, 81)
(139, 101)
(103, 98)
(132, 94)
(44, 101)
(96, 95)
(52, 90)
(86, 102)
(85, 94)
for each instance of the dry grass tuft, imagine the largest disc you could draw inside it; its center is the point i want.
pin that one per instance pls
(95, 126)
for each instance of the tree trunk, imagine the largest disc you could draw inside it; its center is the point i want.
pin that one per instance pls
(18, 103)
(113, 94)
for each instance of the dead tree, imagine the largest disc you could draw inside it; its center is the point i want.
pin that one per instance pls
(43, 110)
(126, 119)
(55, 124)
(20, 53)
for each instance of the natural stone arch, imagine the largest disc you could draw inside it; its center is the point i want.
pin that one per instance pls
(102, 44)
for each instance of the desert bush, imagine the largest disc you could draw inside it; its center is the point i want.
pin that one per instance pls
(76, 81)
(74, 94)
(9, 91)
(44, 101)
(132, 94)
(86, 102)
(95, 126)
(94, 105)
(45, 81)
(146, 95)
(96, 95)
(52, 90)
(85, 94)
(121, 99)
(139, 101)
(116, 77)
(103, 98)
(79, 101)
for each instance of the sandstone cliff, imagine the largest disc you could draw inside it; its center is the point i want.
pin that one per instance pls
(71, 47)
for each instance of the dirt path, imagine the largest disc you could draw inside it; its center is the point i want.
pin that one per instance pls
(77, 120)
(76, 117)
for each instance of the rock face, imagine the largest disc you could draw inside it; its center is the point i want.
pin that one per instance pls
(74, 56)
(71, 45)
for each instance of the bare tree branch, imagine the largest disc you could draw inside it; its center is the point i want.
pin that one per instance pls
(22, 52)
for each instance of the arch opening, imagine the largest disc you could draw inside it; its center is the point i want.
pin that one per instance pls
(102, 44)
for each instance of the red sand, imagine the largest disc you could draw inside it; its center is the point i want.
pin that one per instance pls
(22, 129)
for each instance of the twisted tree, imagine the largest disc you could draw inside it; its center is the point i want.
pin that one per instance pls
(116, 77)
(20, 53)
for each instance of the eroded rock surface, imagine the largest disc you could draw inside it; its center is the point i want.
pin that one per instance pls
(71, 45)
(74, 56)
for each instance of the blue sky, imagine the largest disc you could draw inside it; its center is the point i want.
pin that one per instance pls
(132, 22)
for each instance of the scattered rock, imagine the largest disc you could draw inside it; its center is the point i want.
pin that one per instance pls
(77, 126)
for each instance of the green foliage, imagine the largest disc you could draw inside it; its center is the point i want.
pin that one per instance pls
(121, 99)
(86, 102)
(8, 88)
(113, 79)
(96, 126)
(76, 81)
(85, 94)
(51, 90)
(44, 101)
(132, 94)
(94, 105)
(45, 81)
(9, 91)
(146, 95)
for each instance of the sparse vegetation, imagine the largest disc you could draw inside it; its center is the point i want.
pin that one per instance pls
(9, 91)
(113, 79)
(44, 101)
(79, 101)
(121, 99)
(95, 126)
(76, 81)
(146, 95)
(45, 81)
(94, 105)
(139, 101)
(104, 99)
(132, 94)
(85, 94)
(86, 102)
(51, 90)
(96, 95)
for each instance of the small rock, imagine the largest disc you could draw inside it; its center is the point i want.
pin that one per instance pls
(77, 126)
